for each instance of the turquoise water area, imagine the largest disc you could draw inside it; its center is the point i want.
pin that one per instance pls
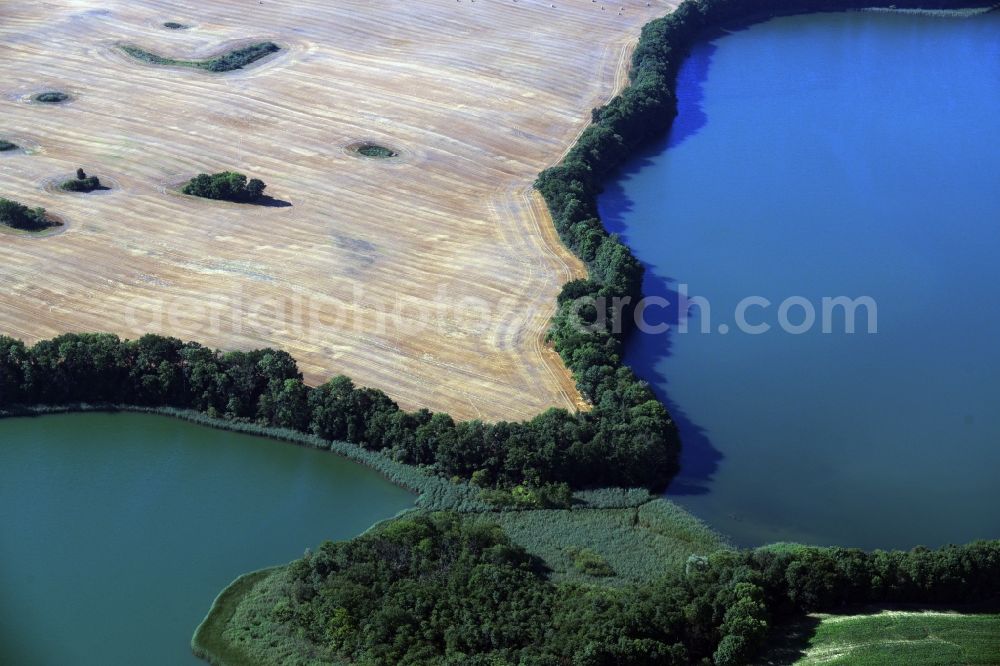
(117, 531)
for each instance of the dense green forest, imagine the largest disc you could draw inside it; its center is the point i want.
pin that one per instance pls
(19, 216)
(226, 186)
(437, 588)
(227, 62)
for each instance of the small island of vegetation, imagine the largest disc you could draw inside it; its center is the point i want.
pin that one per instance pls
(19, 216)
(51, 97)
(376, 151)
(225, 186)
(173, 25)
(7, 145)
(226, 62)
(82, 183)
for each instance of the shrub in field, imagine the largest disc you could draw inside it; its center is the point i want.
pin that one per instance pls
(590, 563)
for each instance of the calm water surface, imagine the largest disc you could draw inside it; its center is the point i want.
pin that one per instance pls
(117, 531)
(823, 156)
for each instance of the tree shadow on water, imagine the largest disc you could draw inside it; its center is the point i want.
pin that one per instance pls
(645, 352)
(690, 88)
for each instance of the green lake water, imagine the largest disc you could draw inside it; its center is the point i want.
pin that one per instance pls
(118, 530)
(846, 154)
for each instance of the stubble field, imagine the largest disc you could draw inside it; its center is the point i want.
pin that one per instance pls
(432, 275)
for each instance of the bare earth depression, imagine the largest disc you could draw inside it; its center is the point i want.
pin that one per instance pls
(445, 244)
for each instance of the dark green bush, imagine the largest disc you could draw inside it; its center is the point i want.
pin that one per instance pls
(51, 97)
(376, 151)
(173, 25)
(590, 563)
(7, 145)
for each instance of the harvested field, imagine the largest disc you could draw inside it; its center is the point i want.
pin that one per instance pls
(431, 275)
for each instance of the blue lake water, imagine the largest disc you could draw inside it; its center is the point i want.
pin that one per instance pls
(818, 156)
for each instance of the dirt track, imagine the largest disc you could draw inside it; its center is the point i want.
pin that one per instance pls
(477, 97)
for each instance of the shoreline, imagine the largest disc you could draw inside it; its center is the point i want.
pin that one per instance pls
(410, 479)
(207, 642)
(968, 12)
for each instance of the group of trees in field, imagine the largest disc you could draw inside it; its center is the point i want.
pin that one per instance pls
(439, 589)
(19, 216)
(241, 57)
(226, 186)
(82, 183)
(227, 62)
(606, 447)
